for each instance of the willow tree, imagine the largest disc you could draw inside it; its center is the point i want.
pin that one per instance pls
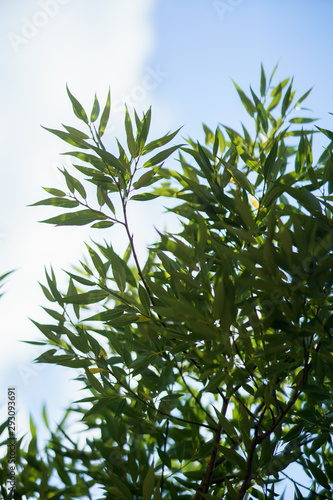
(208, 368)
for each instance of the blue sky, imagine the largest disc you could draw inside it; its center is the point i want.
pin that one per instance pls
(179, 56)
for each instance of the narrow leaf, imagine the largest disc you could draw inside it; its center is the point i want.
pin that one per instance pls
(105, 116)
(160, 157)
(95, 110)
(247, 103)
(77, 108)
(57, 202)
(132, 146)
(86, 298)
(79, 218)
(262, 82)
(148, 484)
(157, 143)
(270, 161)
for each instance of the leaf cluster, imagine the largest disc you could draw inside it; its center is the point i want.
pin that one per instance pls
(207, 370)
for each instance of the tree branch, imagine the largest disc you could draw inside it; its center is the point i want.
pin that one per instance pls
(207, 479)
(152, 407)
(259, 439)
(130, 237)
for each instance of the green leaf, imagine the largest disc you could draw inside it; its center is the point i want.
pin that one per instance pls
(148, 484)
(80, 279)
(239, 177)
(108, 315)
(86, 298)
(301, 154)
(132, 146)
(287, 99)
(221, 140)
(328, 173)
(57, 202)
(67, 137)
(103, 225)
(105, 116)
(160, 157)
(110, 159)
(144, 180)
(276, 99)
(233, 457)
(79, 342)
(304, 96)
(118, 270)
(165, 459)
(276, 94)
(209, 135)
(97, 407)
(305, 198)
(204, 162)
(143, 130)
(157, 143)
(303, 120)
(227, 427)
(273, 73)
(53, 286)
(262, 82)
(94, 382)
(54, 192)
(79, 218)
(47, 293)
(74, 184)
(247, 103)
(75, 133)
(46, 330)
(270, 161)
(326, 132)
(103, 197)
(97, 261)
(77, 108)
(109, 253)
(144, 197)
(262, 115)
(144, 298)
(121, 407)
(95, 110)
(318, 475)
(57, 316)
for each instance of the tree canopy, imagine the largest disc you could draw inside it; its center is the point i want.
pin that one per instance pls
(207, 369)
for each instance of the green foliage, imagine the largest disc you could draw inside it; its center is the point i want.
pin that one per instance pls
(2, 280)
(208, 370)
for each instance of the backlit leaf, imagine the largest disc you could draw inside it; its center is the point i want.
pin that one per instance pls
(105, 116)
(79, 218)
(77, 108)
(95, 110)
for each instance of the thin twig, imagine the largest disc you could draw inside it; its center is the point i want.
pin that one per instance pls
(259, 439)
(207, 479)
(152, 407)
(165, 451)
(194, 396)
(130, 237)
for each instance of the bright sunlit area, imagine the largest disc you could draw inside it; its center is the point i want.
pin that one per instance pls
(179, 57)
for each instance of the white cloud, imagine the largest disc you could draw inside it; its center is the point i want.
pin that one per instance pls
(90, 45)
